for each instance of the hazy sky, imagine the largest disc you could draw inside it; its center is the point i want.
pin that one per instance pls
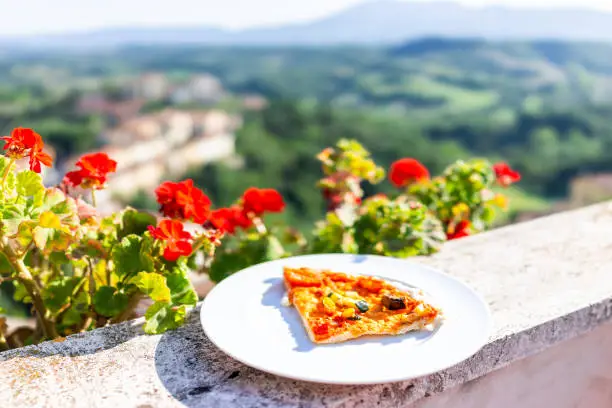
(42, 16)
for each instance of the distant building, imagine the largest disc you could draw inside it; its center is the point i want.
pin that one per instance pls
(254, 102)
(203, 88)
(113, 112)
(151, 86)
(92, 104)
(165, 144)
(174, 126)
(206, 88)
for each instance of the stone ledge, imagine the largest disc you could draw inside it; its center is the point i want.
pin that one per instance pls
(546, 281)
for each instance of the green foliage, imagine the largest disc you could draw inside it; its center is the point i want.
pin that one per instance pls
(333, 236)
(416, 222)
(134, 222)
(350, 156)
(153, 285)
(162, 317)
(126, 256)
(59, 293)
(251, 249)
(181, 289)
(397, 228)
(109, 301)
(29, 184)
(79, 273)
(463, 192)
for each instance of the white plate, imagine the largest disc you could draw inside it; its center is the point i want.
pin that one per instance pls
(244, 317)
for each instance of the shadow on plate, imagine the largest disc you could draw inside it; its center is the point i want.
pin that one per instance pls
(273, 298)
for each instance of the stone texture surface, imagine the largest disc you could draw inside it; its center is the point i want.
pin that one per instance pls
(573, 374)
(546, 281)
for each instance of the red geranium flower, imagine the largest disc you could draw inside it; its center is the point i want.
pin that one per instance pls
(505, 174)
(406, 171)
(37, 156)
(93, 172)
(176, 238)
(228, 219)
(183, 200)
(23, 142)
(19, 142)
(462, 229)
(259, 201)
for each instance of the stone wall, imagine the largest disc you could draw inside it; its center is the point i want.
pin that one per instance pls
(547, 283)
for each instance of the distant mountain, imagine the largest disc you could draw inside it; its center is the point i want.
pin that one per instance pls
(372, 22)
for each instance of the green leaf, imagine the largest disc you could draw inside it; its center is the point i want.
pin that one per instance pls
(59, 258)
(53, 197)
(126, 257)
(5, 266)
(108, 301)
(225, 264)
(49, 220)
(181, 289)
(21, 294)
(57, 293)
(153, 285)
(161, 317)
(56, 202)
(49, 239)
(78, 308)
(4, 161)
(11, 217)
(134, 222)
(254, 249)
(30, 184)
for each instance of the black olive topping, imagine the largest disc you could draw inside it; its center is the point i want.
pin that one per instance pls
(393, 302)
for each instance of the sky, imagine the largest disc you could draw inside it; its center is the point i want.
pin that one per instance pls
(25, 17)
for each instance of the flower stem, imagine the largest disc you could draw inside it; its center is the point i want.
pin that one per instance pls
(6, 171)
(93, 197)
(24, 277)
(259, 225)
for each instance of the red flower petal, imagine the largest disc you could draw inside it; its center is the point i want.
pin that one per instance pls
(462, 229)
(21, 142)
(228, 219)
(259, 201)
(505, 174)
(94, 170)
(37, 158)
(175, 251)
(183, 201)
(175, 237)
(73, 178)
(406, 171)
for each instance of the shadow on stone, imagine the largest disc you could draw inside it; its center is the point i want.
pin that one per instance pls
(80, 344)
(198, 374)
(190, 366)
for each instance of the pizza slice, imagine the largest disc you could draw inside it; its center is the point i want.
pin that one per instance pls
(336, 307)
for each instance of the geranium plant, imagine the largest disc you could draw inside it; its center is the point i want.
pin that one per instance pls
(79, 270)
